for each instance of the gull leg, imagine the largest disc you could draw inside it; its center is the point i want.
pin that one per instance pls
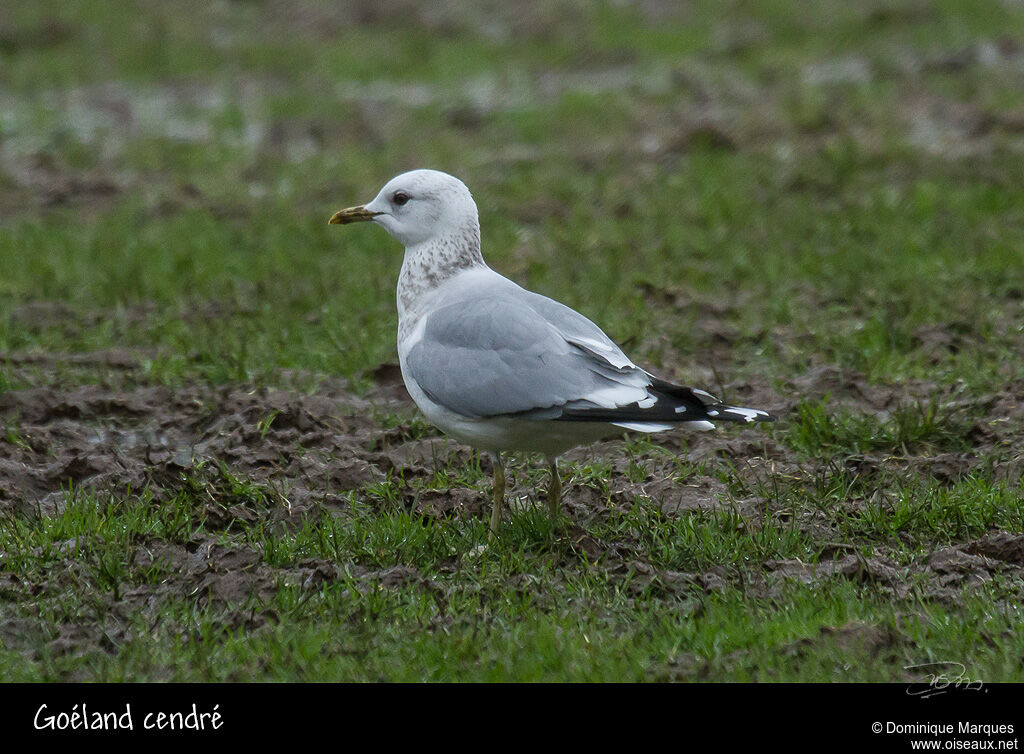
(554, 488)
(499, 492)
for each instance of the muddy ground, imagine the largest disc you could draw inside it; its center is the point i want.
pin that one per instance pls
(311, 454)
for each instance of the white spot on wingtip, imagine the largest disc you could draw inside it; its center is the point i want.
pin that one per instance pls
(701, 426)
(748, 414)
(643, 426)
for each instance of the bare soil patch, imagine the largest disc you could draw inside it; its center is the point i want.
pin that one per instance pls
(309, 452)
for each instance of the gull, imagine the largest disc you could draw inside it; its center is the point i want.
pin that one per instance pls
(499, 367)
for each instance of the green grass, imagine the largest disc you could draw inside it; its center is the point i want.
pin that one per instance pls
(738, 196)
(467, 623)
(817, 428)
(584, 625)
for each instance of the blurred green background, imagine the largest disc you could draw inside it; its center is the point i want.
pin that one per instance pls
(816, 183)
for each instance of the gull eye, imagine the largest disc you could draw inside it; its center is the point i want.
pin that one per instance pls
(400, 198)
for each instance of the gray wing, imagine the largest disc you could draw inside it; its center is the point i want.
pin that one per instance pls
(577, 329)
(497, 355)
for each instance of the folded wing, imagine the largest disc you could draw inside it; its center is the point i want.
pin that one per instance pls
(530, 357)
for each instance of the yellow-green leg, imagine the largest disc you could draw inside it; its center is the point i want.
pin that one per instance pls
(554, 488)
(499, 492)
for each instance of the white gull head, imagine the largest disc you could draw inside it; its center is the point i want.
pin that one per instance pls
(419, 207)
(434, 216)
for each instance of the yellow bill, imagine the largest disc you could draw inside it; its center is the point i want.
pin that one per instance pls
(351, 215)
